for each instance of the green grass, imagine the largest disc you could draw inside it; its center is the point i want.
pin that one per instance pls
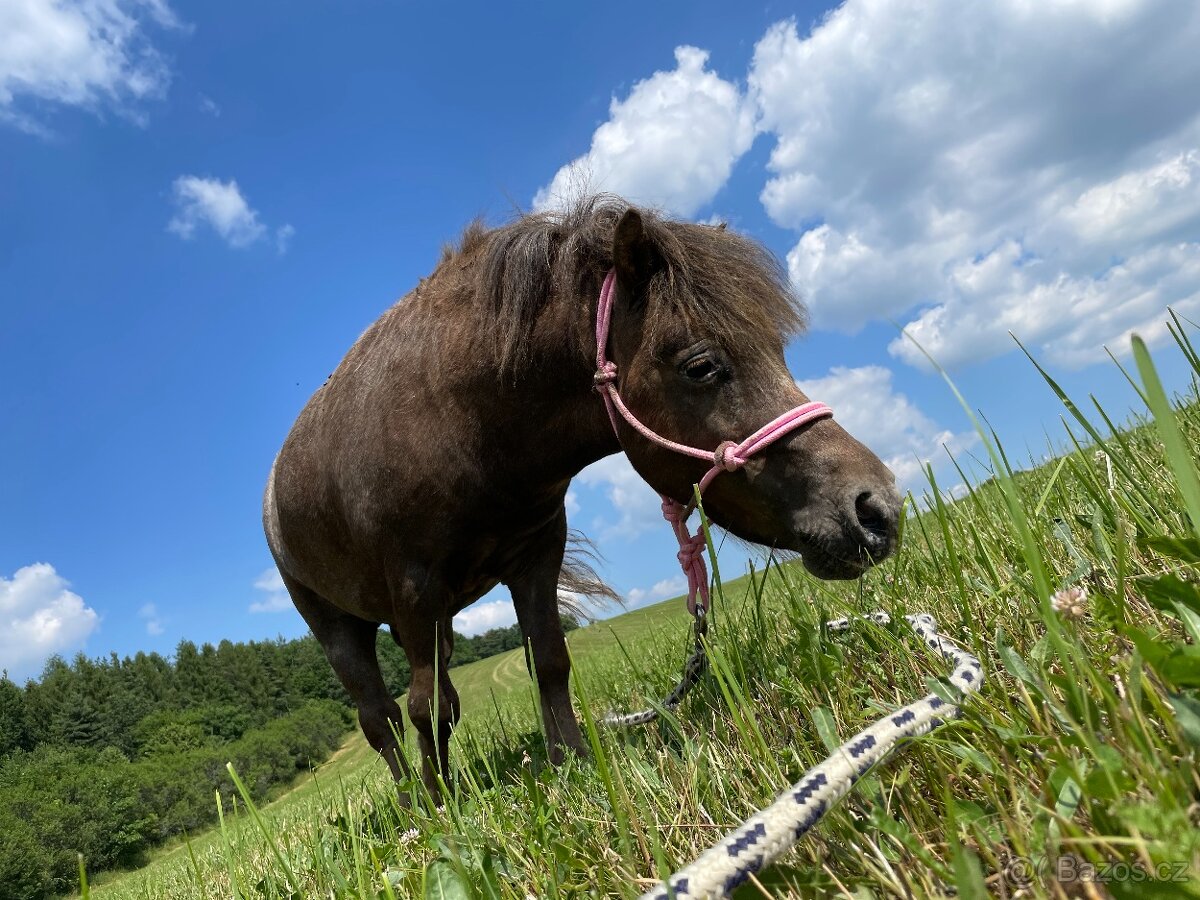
(1081, 748)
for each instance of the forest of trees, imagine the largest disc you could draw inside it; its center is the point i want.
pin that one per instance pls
(110, 757)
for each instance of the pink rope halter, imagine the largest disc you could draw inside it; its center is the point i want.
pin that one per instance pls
(728, 457)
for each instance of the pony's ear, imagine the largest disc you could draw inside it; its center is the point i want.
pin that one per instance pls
(634, 255)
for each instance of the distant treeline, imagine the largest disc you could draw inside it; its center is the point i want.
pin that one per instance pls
(110, 757)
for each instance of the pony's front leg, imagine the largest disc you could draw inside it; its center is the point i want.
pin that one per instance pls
(535, 597)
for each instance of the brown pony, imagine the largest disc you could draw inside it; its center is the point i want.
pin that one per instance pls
(434, 463)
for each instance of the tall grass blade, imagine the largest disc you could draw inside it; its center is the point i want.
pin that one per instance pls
(1180, 460)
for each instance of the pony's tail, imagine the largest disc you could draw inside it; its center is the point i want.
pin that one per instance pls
(580, 589)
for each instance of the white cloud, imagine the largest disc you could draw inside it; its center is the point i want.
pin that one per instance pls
(209, 105)
(92, 54)
(221, 206)
(149, 614)
(39, 616)
(671, 143)
(865, 403)
(637, 505)
(571, 503)
(1148, 203)
(484, 616)
(668, 587)
(283, 238)
(994, 166)
(1070, 318)
(275, 595)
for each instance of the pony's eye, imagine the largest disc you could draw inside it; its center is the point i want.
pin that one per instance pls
(701, 369)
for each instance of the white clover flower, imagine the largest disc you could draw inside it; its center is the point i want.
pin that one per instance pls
(1071, 603)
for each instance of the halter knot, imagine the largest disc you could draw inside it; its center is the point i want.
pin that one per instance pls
(606, 374)
(690, 550)
(726, 459)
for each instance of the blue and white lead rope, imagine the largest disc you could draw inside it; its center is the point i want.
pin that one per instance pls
(692, 670)
(765, 836)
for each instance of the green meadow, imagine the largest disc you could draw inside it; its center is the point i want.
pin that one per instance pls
(1073, 773)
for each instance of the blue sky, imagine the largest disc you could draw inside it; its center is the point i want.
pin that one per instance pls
(203, 205)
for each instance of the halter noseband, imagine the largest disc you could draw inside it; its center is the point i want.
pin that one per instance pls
(728, 457)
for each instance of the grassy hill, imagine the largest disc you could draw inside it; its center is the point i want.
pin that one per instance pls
(501, 680)
(1080, 751)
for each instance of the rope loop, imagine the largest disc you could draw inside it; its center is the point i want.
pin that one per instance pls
(670, 509)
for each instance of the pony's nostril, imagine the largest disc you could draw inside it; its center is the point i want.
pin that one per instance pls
(874, 519)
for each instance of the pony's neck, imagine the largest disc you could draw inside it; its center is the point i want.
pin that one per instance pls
(573, 429)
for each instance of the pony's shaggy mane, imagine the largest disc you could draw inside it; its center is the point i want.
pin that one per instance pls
(712, 280)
